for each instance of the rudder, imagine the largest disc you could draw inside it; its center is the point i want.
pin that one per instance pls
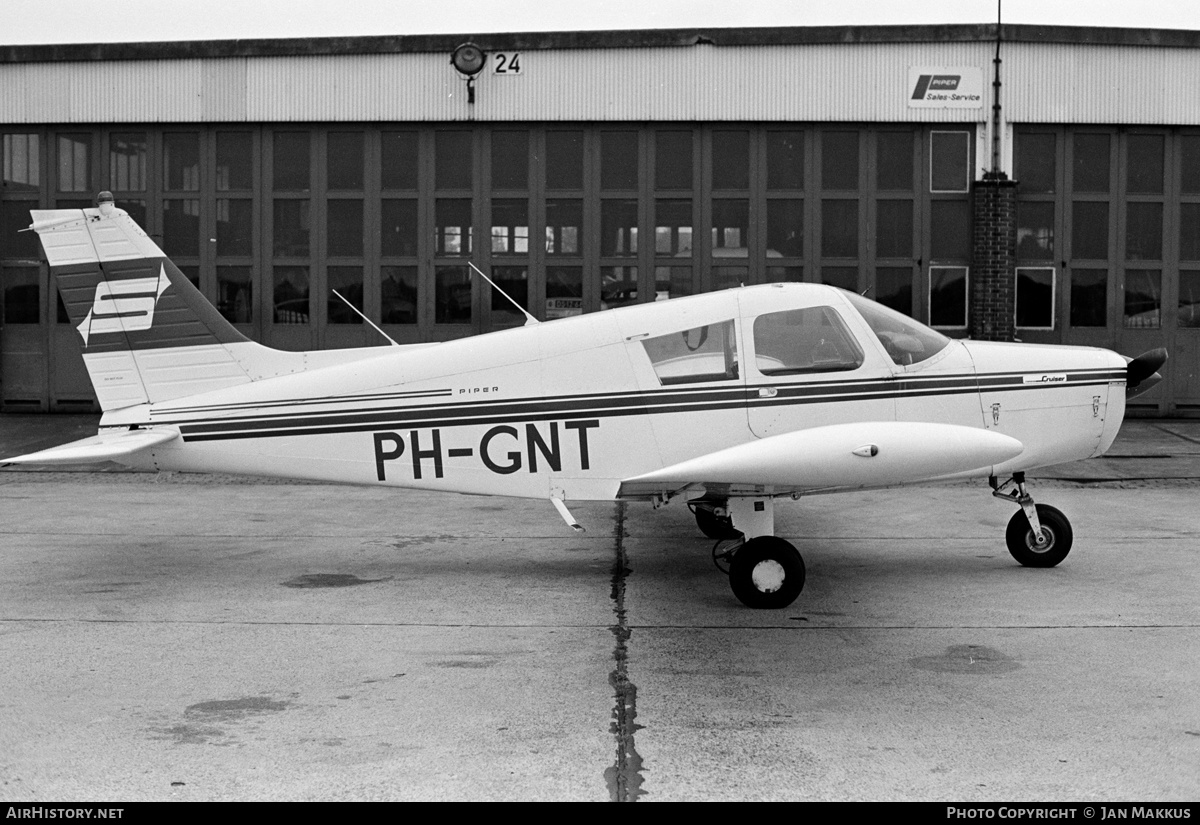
(148, 334)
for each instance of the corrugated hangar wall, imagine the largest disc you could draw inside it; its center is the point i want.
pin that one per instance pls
(764, 83)
(1043, 82)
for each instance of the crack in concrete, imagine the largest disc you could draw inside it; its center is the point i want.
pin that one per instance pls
(624, 778)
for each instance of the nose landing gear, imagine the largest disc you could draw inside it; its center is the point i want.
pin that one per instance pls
(1038, 535)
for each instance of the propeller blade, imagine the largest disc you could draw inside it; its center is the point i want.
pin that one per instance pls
(1142, 372)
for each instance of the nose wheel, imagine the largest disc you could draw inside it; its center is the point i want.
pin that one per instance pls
(1056, 538)
(1038, 535)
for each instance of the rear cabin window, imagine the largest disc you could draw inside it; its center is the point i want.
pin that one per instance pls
(707, 353)
(813, 339)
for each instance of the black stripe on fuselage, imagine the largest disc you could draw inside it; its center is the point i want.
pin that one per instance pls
(612, 405)
(302, 402)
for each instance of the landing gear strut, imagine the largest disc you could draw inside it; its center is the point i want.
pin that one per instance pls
(1038, 535)
(765, 572)
(712, 517)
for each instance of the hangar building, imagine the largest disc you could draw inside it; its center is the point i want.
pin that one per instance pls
(586, 170)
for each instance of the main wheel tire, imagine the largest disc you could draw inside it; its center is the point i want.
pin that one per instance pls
(1055, 528)
(766, 573)
(714, 526)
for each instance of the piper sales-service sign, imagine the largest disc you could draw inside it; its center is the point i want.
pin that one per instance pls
(945, 87)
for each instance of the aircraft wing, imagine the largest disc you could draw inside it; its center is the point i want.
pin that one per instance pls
(834, 457)
(107, 446)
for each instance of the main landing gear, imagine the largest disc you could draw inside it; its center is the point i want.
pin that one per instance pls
(764, 571)
(1038, 535)
(767, 572)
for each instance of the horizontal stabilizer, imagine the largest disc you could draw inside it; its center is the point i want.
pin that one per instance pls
(840, 456)
(107, 446)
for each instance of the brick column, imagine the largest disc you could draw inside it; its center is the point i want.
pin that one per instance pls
(993, 254)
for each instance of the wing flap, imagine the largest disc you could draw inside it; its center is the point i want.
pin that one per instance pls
(107, 446)
(839, 456)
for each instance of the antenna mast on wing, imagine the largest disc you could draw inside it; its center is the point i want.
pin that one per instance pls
(365, 318)
(529, 319)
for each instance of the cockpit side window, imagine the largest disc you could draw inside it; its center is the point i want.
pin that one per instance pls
(707, 353)
(813, 339)
(906, 341)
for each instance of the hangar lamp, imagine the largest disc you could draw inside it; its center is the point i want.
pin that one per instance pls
(468, 60)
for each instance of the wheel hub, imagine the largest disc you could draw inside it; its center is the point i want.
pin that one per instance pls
(768, 576)
(1044, 545)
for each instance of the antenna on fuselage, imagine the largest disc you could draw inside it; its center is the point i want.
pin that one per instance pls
(529, 319)
(365, 318)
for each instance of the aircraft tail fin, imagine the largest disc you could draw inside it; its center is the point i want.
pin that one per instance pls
(148, 334)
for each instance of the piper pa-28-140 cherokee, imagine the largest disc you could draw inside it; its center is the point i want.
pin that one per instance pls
(729, 400)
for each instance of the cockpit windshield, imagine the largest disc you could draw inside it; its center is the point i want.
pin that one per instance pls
(906, 341)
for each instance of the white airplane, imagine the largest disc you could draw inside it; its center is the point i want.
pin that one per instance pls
(729, 401)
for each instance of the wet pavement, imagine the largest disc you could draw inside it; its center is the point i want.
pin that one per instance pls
(216, 638)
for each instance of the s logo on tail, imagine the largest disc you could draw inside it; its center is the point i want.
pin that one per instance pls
(124, 306)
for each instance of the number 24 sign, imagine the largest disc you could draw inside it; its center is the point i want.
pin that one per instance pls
(506, 63)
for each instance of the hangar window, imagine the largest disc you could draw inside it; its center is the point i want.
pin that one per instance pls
(22, 162)
(707, 353)
(785, 160)
(344, 160)
(673, 160)
(1035, 230)
(618, 160)
(1189, 299)
(1035, 161)
(1090, 163)
(950, 162)
(398, 294)
(1034, 297)
(514, 281)
(235, 161)
(291, 294)
(22, 295)
(894, 229)
(1145, 167)
(453, 166)
(564, 291)
(1089, 230)
(235, 294)
(1143, 299)
(564, 225)
(839, 160)
(785, 228)
(18, 245)
(291, 160)
(893, 288)
(399, 225)
(948, 290)
(894, 167)
(348, 281)
(74, 163)
(813, 339)
(564, 160)
(1089, 298)
(399, 160)
(127, 162)
(510, 160)
(1189, 150)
